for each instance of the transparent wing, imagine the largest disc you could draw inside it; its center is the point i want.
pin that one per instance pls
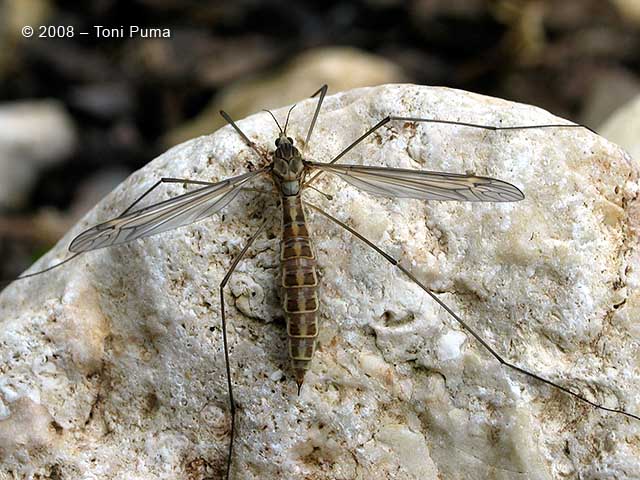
(160, 217)
(422, 184)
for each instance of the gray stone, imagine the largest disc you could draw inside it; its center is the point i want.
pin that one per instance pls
(342, 68)
(109, 366)
(34, 134)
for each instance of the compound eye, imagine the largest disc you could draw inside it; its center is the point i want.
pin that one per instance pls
(278, 142)
(290, 140)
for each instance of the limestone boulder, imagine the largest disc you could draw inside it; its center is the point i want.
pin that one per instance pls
(112, 365)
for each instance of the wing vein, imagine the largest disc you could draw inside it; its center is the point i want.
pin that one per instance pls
(160, 217)
(424, 184)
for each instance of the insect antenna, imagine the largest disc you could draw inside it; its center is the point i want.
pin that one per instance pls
(466, 326)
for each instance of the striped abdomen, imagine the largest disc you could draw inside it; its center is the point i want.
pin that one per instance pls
(299, 281)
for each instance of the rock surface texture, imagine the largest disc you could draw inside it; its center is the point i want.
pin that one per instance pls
(112, 365)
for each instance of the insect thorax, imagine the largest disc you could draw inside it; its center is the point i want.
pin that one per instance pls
(288, 166)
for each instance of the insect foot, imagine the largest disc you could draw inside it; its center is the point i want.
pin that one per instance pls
(463, 307)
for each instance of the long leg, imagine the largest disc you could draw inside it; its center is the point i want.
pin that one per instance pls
(232, 404)
(160, 182)
(3, 283)
(322, 91)
(491, 127)
(253, 146)
(475, 335)
(66, 260)
(388, 119)
(382, 122)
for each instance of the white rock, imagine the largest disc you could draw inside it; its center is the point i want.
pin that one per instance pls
(449, 345)
(33, 135)
(409, 448)
(109, 366)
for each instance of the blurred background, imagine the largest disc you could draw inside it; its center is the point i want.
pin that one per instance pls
(78, 113)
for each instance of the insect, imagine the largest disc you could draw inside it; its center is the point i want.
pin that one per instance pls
(292, 173)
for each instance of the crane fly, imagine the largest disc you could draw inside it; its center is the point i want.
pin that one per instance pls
(291, 173)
